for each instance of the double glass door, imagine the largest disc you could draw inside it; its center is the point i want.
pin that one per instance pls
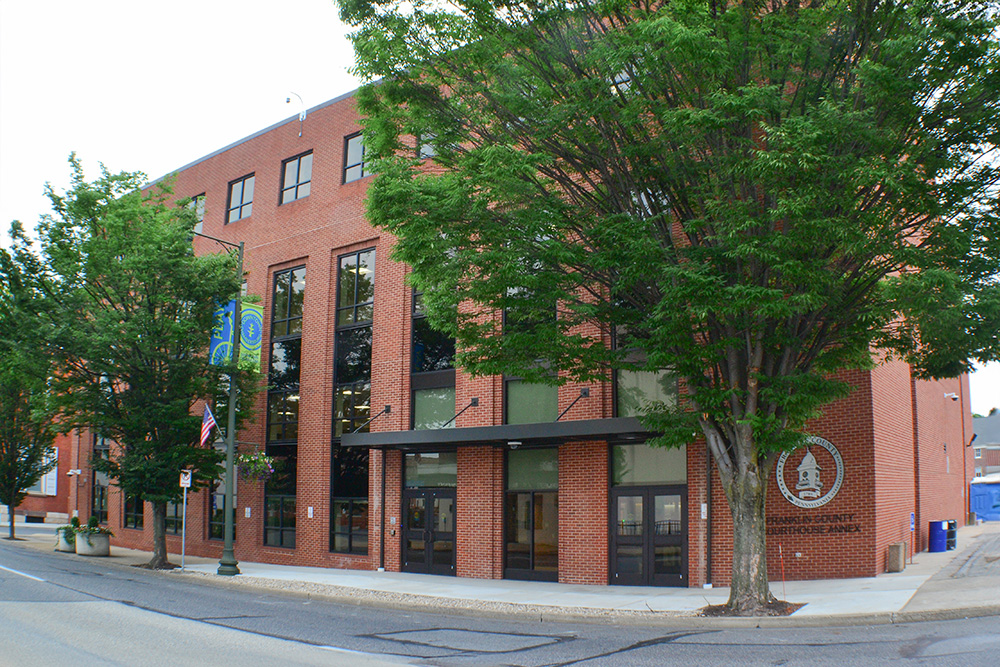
(429, 531)
(649, 536)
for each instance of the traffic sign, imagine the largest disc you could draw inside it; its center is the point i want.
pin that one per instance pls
(185, 479)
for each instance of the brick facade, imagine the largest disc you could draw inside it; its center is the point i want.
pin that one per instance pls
(902, 441)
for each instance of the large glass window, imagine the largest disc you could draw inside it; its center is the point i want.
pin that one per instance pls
(132, 512)
(528, 403)
(433, 372)
(240, 202)
(431, 469)
(286, 356)
(354, 158)
(175, 518)
(217, 510)
(352, 401)
(349, 520)
(532, 514)
(279, 504)
(643, 465)
(296, 178)
(635, 390)
(198, 206)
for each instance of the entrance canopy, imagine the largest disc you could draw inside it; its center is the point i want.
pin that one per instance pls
(621, 429)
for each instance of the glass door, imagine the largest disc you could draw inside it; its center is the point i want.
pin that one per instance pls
(649, 536)
(429, 531)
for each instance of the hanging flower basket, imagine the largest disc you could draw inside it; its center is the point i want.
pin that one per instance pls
(255, 466)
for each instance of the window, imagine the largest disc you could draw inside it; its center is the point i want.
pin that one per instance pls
(296, 176)
(354, 158)
(198, 206)
(99, 490)
(978, 452)
(531, 531)
(133, 512)
(979, 472)
(352, 376)
(286, 355)
(240, 199)
(634, 390)
(47, 484)
(432, 372)
(217, 508)
(279, 504)
(349, 520)
(175, 518)
(425, 146)
(528, 403)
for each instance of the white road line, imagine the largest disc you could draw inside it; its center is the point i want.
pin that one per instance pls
(23, 574)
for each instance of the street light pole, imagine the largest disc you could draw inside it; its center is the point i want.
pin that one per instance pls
(228, 563)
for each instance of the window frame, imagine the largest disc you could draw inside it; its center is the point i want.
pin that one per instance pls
(243, 203)
(354, 165)
(443, 378)
(295, 187)
(286, 322)
(133, 509)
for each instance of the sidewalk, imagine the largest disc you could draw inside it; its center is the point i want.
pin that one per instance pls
(936, 586)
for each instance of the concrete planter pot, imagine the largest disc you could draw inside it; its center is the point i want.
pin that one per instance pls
(93, 544)
(62, 543)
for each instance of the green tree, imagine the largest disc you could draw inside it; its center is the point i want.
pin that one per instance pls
(130, 336)
(26, 432)
(758, 193)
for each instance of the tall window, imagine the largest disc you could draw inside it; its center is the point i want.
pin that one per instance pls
(296, 177)
(279, 503)
(175, 518)
(133, 512)
(217, 510)
(283, 406)
(240, 203)
(433, 372)
(99, 492)
(354, 158)
(198, 206)
(286, 355)
(532, 514)
(352, 400)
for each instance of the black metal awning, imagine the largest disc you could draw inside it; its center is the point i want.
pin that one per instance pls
(620, 429)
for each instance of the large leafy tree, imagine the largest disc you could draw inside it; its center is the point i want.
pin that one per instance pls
(129, 336)
(759, 193)
(26, 432)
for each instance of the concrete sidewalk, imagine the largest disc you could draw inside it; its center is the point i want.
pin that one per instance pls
(951, 584)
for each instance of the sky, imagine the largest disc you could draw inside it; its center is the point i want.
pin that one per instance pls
(151, 86)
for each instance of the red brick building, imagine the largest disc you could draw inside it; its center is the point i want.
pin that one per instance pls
(526, 481)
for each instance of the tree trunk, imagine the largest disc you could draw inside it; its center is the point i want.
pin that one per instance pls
(159, 561)
(747, 494)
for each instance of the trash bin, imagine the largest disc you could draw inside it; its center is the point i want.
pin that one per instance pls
(952, 536)
(937, 539)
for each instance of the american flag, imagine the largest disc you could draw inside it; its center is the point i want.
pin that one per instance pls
(207, 423)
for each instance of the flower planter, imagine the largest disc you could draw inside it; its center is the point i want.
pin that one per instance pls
(62, 544)
(93, 544)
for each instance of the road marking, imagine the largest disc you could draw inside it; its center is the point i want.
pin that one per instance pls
(23, 574)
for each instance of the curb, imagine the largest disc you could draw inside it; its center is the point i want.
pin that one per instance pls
(363, 597)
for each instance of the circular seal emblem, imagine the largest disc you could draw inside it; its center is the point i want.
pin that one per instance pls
(816, 477)
(251, 328)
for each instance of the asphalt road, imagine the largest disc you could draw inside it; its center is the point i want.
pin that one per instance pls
(62, 607)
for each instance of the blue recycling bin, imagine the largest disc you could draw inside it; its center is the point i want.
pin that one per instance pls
(937, 539)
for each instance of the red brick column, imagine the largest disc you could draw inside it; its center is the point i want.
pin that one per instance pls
(583, 513)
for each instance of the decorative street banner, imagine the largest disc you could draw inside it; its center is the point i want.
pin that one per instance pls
(220, 347)
(251, 333)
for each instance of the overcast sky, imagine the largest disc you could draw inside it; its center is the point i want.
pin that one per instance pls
(150, 86)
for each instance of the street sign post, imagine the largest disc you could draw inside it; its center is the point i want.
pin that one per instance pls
(185, 483)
